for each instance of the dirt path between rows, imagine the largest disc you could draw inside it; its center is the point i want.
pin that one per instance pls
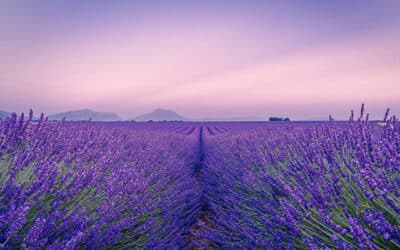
(205, 221)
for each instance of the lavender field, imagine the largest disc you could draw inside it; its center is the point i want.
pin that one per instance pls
(192, 185)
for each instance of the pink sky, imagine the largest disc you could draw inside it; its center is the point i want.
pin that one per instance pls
(214, 63)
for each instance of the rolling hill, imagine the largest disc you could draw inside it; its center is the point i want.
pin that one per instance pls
(161, 115)
(4, 114)
(85, 115)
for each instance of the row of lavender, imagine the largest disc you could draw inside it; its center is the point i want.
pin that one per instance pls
(98, 185)
(304, 185)
(285, 185)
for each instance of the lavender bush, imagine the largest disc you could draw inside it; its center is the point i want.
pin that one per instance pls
(285, 185)
(305, 185)
(65, 185)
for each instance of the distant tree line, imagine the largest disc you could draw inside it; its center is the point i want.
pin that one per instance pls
(279, 119)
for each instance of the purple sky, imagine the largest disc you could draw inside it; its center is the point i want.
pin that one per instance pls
(302, 59)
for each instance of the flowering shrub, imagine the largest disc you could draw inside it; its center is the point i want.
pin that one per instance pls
(63, 185)
(297, 185)
(305, 185)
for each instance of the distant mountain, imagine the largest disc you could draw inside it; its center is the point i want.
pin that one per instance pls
(85, 115)
(161, 115)
(4, 114)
